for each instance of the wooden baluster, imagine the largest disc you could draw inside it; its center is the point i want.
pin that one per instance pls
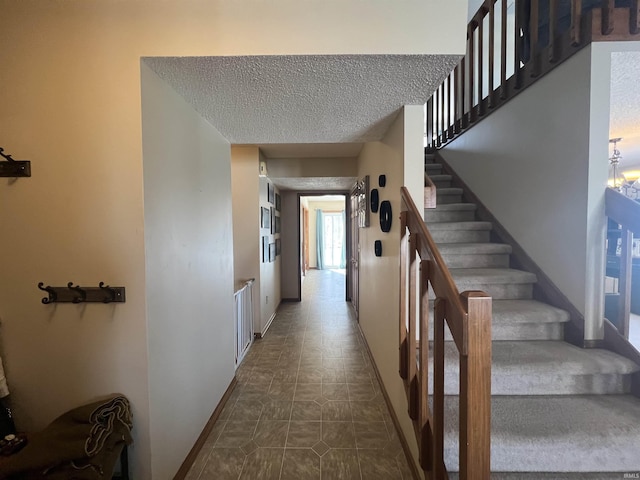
(464, 117)
(534, 56)
(426, 443)
(492, 47)
(438, 389)
(411, 330)
(553, 27)
(503, 50)
(404, 245)
(519, 44)
(608, 7)
(624, 285)
(475, 390)
(576, 21)
(430, 144)
(443, 135)
(480, 66)
(457, 115)
(472, 69)
(634, 17)
(450, 102)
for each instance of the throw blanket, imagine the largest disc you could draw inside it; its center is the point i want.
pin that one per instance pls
(83, 443)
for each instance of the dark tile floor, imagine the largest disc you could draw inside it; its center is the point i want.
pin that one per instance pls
(307, 404)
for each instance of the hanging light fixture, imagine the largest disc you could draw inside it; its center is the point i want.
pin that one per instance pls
(616, 180)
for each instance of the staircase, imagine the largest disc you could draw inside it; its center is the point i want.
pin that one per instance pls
(558, 411)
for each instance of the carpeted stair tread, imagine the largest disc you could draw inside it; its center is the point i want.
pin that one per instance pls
(454, 207)
(548, 476)
(491, 276)
(526, 311)
(433, 168)
(541, 357)
(566, 433)
(472, 225)
(474, 248)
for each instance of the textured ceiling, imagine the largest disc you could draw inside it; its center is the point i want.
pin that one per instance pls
(625, 106)
(314, 184)
(303, 99)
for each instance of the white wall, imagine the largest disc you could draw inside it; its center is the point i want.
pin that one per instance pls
(245, 188)
(189, 270)
(71, 104)
(379, 297)
(532, 165)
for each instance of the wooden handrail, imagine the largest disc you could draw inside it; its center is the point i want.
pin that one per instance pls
(468, 316)
(532, 59)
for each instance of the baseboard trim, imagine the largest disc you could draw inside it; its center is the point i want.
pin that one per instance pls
(206, 431)
(544, 290)
(396, 423)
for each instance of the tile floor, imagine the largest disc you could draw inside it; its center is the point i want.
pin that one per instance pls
(307, 404)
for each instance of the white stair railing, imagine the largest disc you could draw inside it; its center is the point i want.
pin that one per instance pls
(243, 316)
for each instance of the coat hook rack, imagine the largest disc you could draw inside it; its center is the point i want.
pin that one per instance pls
(14, 168)
(77, 294)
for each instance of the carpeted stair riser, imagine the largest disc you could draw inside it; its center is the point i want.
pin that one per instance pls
(433, 169)
(563, 433)
(448, 195)
(481, 255)
(441, 181)
(455, 212)
(460, 232)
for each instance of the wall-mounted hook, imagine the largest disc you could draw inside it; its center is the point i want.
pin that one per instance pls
(53, 296)
(81, 294)
(77, 294)
(110, 292)
(14, 168)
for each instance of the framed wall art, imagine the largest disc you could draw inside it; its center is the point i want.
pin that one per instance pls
(265, 217)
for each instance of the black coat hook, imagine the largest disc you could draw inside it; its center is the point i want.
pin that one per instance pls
(82, 295)
(111, 293)
(53, 295)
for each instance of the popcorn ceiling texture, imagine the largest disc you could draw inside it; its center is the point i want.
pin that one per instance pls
(303, 99)
(314, 183)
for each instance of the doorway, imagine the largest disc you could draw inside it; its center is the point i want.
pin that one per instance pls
(325, 235)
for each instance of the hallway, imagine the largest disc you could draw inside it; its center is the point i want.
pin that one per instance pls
(307, 404)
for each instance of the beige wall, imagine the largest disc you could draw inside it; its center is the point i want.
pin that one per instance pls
(245, 188)
(290, 263)
(71, 103)
(379, 296)
(189, 270)
(270, 288)
(312, 167)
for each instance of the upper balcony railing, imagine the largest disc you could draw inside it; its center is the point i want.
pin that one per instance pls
(512, 43)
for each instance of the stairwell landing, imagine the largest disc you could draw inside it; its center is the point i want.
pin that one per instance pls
(558, 411)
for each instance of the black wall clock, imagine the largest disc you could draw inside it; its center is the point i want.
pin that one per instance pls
(375, 200)
(385, 216)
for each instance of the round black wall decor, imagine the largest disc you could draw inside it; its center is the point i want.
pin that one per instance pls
(375, 200)
(385, 216)
(382, 180)
(377, 248)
